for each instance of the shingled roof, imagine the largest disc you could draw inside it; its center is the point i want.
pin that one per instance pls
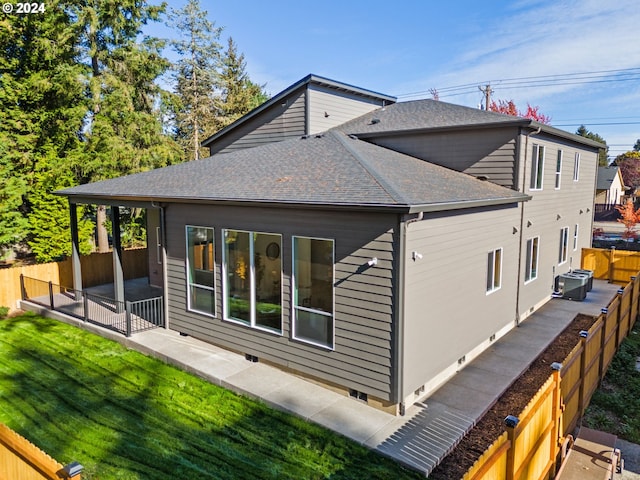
(332, 170)
(421, 115)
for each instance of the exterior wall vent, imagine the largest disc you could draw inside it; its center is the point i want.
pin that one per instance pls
(363, 397)
(462, 359)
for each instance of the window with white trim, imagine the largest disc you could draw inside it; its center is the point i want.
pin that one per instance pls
(313, 290)
(537, 167)
(558, 169)
(576, 167)
(564, 245)
(494, 270)
(252, 278)
(200, 270)
(531, 267)
(575, 237)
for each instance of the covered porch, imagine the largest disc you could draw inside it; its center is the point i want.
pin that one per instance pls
(141, 309)
(126, 300)
(154, 240)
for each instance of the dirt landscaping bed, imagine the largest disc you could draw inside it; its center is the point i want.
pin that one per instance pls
(512, 402)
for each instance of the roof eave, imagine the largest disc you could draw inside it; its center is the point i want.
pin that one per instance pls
(458, 205)
(466, 126)
(517, 122)
(132, 200)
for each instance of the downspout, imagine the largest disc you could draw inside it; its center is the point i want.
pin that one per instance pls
(399, 338)
(524, 176)
(593, 206)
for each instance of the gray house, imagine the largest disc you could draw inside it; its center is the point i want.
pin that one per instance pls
(376, 257)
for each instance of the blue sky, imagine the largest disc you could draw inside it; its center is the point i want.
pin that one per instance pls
(408, 47)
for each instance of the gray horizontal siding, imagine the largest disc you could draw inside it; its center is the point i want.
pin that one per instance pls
(281, 121)
(447, 310)
(551, 209)
(486, 152)
(363, 297)
(329, 108)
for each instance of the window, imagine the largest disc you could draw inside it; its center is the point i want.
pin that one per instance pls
(252, 273)
(576, 167)
(494, 270)
(575, 237)
(537, 167)
(200, 274)
(531, 271)
(564, 241)
(558, 169)
(313, 320)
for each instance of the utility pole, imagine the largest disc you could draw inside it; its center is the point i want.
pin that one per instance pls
(487, 95)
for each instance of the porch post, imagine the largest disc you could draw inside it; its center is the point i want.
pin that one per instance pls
(76, 268)
(118, 275)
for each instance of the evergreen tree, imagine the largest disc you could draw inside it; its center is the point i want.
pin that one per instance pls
(196, 77)
(49, 215)
(603, 159)
(239, 94)
(42, 108)
(124, 131)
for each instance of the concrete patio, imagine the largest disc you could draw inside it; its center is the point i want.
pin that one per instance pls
(428, 431)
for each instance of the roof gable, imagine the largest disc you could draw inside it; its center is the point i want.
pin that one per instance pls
(304, 83)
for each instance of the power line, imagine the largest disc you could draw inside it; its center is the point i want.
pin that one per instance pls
(599, 124)
(561, 79)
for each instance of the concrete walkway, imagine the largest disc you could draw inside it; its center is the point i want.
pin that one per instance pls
(428, 431)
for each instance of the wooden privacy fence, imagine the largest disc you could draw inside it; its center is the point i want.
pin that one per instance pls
(613, 265)
(532, 446)
(97, 269)
(20, 459)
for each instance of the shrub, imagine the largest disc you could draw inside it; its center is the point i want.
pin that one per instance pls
(4, 311)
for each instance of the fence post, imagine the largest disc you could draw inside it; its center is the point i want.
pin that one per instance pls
(23, 290)
(51, 294)
(556, 431)
(128, 317)
(583, 367)
(85, 304)
(511, 422)
(612, 257)
(161, 308)
(619, 318)
(603, 340)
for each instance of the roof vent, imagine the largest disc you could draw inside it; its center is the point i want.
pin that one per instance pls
(304, 137)
(374, 121)
(484, 178)
(320, 135)
(352, 136)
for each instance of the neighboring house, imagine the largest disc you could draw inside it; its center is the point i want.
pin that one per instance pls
(610, 188)
(376, 258)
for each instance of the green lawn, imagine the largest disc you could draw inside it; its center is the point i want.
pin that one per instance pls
(123, 415)
(615, 406)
